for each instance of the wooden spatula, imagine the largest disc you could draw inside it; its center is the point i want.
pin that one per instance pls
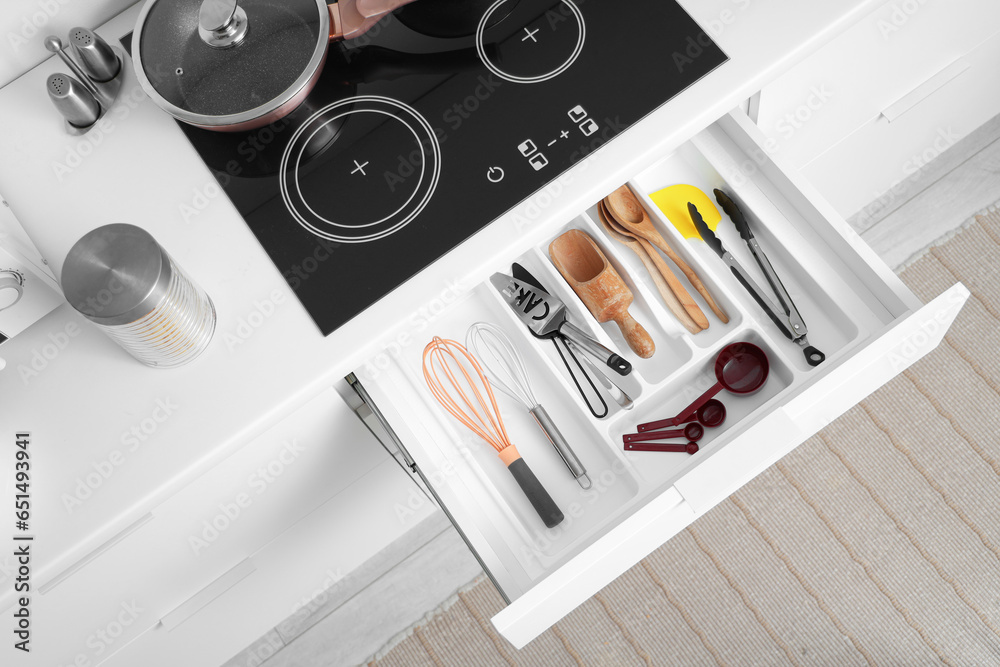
(623, 205)
(584, 266)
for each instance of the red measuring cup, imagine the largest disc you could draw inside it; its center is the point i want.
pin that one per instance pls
(692, 432)
(740, 368)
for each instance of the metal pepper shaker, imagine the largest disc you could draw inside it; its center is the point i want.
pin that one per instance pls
(122, 280)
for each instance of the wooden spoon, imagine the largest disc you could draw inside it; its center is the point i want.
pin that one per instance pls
(602, 290)
(623, 205)
(691, 308)
(669, 295)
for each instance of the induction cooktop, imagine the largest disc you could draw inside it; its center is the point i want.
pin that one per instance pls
(436, 122)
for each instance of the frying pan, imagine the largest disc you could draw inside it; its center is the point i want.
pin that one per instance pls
(234, 65)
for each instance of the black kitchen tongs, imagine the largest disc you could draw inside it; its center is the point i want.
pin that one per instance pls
(786, 317)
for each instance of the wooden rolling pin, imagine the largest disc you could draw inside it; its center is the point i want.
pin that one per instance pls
(584, 266)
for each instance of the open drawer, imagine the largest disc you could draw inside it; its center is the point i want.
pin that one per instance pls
(870, 326)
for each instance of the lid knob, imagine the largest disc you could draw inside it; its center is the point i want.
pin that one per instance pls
(222, 23)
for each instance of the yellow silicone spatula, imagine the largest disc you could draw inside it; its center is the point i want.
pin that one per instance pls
(673, 202)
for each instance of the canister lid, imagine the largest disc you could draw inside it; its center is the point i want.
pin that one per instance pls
(116, 274)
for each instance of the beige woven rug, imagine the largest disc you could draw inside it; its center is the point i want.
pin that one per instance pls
(877, 541)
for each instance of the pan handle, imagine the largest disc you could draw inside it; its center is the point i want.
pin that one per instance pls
(353, 18)
(377, 7)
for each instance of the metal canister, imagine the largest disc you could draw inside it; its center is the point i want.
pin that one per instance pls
(122, 280)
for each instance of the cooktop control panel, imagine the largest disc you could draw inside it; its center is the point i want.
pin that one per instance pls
(411, 142)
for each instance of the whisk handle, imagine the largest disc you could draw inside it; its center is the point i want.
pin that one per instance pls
(559, 443)
(539, 497)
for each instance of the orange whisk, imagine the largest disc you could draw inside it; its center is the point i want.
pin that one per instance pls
(460, 386)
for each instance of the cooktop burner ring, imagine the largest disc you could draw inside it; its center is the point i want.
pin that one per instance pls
(319, 128)
(481, 48)
(297, 203)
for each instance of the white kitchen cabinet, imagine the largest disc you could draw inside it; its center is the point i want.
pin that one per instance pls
(234, 553)
(947, 108)
(868, 323)
(860, 314)
(887, 96)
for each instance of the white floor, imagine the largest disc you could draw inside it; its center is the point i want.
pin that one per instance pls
(409, 580)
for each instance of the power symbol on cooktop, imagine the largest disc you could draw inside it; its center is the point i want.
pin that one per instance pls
(360, 167)
(494, 174)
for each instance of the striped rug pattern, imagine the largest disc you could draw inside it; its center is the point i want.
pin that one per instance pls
(876, 542)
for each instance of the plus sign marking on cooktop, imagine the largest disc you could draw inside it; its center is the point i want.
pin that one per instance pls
(366, 209)
(566, 9)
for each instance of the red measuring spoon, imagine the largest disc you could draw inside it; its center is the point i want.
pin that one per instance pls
(740, 368)
(690, 447)
(712, 414)
(692, 432)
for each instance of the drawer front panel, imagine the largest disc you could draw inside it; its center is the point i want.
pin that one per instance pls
(849, 82)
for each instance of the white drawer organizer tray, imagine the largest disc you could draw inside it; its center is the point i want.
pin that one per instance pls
(870, 326)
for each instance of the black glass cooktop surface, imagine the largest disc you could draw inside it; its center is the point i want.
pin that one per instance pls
(421, 132)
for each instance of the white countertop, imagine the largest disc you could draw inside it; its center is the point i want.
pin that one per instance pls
(90, 400)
